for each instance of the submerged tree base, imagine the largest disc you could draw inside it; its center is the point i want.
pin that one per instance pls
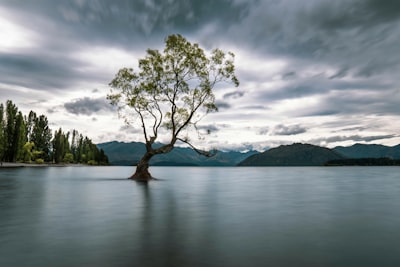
(142, 177)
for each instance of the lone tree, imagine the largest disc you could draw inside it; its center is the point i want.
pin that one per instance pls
(171, 93)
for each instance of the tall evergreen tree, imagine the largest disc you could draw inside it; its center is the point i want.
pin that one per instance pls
(20, 137)
(2, 132)
(41, 136)
(10, 137)
(61, 146)
(30, 122)
(58, 148)
(74, 144)
(102, 158)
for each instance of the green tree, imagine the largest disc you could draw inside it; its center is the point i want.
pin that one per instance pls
(28, 153)
(29, 138)
(79, 151)
(37, 155)
(101, 157)
(10, 137)
(12, 133)
(67, 146)
(2, 132)
(74, 144)
(30, 122)
(41, 136)
(20, 137)
(58, 144)
(89, 151)
(82, 150)
(68, 158)
(61, 147)
(173, 89)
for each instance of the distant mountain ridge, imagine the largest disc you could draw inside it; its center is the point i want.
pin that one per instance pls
(364, 162)
(128, 154)
(293, 155)
(369, 151)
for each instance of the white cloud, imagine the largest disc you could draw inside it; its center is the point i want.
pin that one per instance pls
(14, 37)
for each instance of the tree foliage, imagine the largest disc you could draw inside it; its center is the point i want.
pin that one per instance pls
(28, 151)
(2, 133)
(172, 90)
(28, 139)
(9, 131)
(41, 136)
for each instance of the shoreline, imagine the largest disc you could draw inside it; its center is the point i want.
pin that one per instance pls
(22, 164)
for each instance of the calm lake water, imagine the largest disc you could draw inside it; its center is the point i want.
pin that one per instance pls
(93, 216)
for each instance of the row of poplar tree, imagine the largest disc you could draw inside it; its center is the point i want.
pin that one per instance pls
(29, 139)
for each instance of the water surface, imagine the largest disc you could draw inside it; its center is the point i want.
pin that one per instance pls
(306, 216)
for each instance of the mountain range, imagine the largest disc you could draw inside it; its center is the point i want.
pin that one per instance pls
(369, 151)
(128, 154)
(293, 155)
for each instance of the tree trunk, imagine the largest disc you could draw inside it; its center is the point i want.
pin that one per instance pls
(142, 173)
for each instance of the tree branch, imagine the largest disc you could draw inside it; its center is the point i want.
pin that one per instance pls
(201, 101)
(165, 148)
(207, 154)
(143, 124)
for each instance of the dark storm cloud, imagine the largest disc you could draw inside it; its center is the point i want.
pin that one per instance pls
(301, 87)
(354, 129)
(234, 95)
(318, 19)
(122, 21)
(254, 107)
(289, 75)
(362, 102)
(349, 35)
(338, 96)
(63, 27)
(294, 91)
(222, 105)
(40, 71)
(321, 112)
(334, 32)
(87, 106)
(340, 73)
(130, 129)
(352, 138)
(211, 128)
(359, 13)
(288, 130)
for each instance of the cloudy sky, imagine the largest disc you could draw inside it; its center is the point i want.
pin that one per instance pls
(314, 71)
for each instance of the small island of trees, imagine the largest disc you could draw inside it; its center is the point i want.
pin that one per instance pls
(29, 139)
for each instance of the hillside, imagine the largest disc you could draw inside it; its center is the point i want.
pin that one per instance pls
(127, 154)
(364, 162)
(369, 151)
(293, 155)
